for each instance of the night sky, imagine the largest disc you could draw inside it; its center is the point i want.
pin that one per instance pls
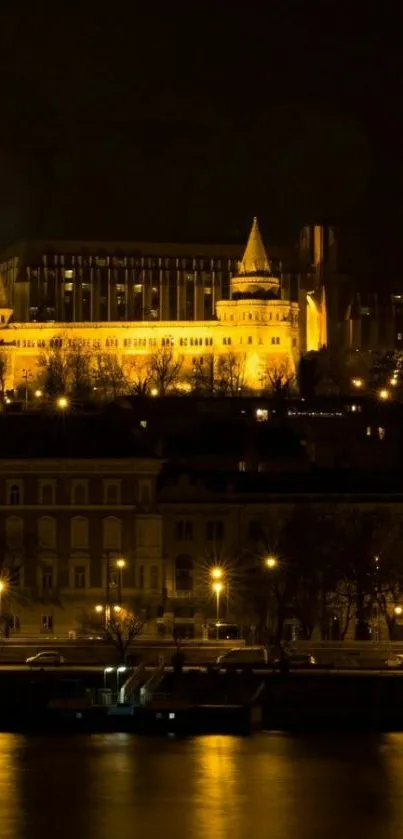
(182, 121)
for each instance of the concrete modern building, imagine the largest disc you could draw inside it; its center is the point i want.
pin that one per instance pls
(133, 306)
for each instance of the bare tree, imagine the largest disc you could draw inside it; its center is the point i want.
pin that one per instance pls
(79, 371)
(165, 370)
(278, 379)
(231, 374)
(54, 369)
(203, 378)
(139, 376)
(3, 374)
(121, 629)
(110, 376)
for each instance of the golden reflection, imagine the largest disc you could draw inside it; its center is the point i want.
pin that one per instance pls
(217, 781)
(9, 784)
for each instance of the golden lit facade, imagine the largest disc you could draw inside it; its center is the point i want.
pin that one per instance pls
(249, 316)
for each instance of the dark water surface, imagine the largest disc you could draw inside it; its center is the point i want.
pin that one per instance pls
(272, 785)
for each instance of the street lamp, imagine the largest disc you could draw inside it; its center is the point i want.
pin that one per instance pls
(2, 587)
(121, 564)
(358, 383)
(271, 562)
(217, 588)
(26, 374)
(398, 610)
(62, 403)
(121, 669)
(216, 573)
(99, 609)
(38, 394)
(384, 394)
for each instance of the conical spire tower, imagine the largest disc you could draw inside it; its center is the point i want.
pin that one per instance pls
(254, 260)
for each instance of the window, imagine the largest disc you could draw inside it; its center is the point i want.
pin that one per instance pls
(215, 531)
(47, 578)
(184, 531)
(184, 573)
(47, 623)
(47, 532)
(14, 494)
(254, 530)
(145, 493)
(111, 492)
(294, 342)
(46, 493)
(241, 466)
(141, 576)
(112, 534)
(250, 339)
(79, 532)
(79, 493)
(79, 576)
(14, 532)
(154, 575)
(381, 433)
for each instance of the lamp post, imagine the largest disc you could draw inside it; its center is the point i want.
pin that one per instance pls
(271, 562)
(121, 669)
(62, 403)
(217, 574)
(2, 587)
(26, 374)
(217, 588)
(106, 671)
(121, 564)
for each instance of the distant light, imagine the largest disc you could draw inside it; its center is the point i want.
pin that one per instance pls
(358, 383)
(262, 414)
(384, 394)
(7, 401)
(38, 394)
(99, 608)
(217, 587)
(393, 381)
(62, 403)
(398, 610)
(154, 391)
(109, 669)
(2, 586)
(121, 563)
(117, 609)
(171, 716)
(271, 562)
(121, 669)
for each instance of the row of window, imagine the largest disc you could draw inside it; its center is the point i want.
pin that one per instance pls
(215, 531)
(79, 493)
(113, 343)
(79, 533)
(184, 531)
(196, 342)
(81, 578)
(265, 316)
(194, 264)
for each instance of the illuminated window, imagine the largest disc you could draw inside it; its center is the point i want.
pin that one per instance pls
(68, 274)
(381, 433)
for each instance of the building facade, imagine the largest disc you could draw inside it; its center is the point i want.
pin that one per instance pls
(257, 312)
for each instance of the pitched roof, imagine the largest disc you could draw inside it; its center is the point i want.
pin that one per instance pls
(254, 260)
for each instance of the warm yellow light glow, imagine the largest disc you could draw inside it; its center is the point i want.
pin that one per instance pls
(154, 391)
(217, 587)
(393, 381)
(99, 608)
(62, 403)
(117, 609)
(398, 610)
(216, 573)
(271, 562)
(358, 383)
(384, 394)
(38, 394)
(121, 563)
(2, 586)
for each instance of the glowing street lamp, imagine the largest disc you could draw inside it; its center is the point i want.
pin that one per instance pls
(106, 671)
(120, 564)
(384, 394)
(62, 403)
(271, 562)
(217, 588)
(38, 394)
(154, 391)
(358, 383)
(398, 610)
(2, 588)
(393, 381)
(216, 573)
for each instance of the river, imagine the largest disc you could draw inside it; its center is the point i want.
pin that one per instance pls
(117, 786)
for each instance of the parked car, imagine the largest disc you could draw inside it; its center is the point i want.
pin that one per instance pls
(394, 662)
(240, 657)
(292, 661)
(46, 658)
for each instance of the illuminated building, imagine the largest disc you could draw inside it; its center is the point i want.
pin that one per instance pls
(198, 307)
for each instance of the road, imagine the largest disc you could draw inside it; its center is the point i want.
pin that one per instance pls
(96, 668)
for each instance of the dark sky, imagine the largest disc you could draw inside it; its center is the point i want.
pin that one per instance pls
(183, 121)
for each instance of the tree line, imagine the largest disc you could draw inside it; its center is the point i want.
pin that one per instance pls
(331, 562)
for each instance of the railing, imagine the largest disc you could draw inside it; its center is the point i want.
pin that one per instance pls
(182, 593)
(131, 684)
(147, 690)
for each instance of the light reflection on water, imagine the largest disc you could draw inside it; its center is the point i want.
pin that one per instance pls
(271, 785)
